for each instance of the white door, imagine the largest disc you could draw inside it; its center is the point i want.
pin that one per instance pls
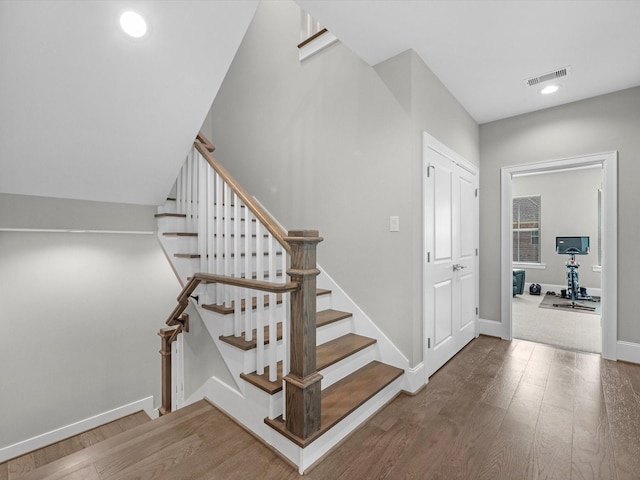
(451, 255)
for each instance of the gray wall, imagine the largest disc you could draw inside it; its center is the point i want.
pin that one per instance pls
(569, 207)
(606, 123)
(326, 144)
(80, 312)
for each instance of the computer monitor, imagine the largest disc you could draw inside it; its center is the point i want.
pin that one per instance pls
(572, 245)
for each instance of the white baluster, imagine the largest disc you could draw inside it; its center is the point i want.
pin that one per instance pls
(273, 339)
(211, 232)
(286, 305)
(189, 193)
(180, 191)
(248, 250)
(226, 250)
(219, 270)
(260, 303)
(202, 213)
(237, 258)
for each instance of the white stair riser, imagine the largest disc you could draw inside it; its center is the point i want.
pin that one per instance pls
(338, 371)
(274, 402)
(334, 330)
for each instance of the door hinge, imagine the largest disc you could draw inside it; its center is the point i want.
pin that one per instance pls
(429, 167)
(428, 343)
(477, 310)
(428, 257)
(476, 252)
(476, 193)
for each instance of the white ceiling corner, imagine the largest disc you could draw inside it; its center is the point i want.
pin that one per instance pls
(89, 113)
(482, 51)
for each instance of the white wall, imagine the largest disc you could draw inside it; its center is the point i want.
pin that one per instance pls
(80, 312)
(601, 124)
(327, 145)
(569, 207)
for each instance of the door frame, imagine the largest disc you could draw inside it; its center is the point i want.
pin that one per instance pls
(429, 142)
(609, 228)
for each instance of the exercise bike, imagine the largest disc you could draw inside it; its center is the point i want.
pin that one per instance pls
(573, 246)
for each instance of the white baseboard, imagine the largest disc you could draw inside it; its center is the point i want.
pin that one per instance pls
(414, 379)
(628, 351)
(40, 441)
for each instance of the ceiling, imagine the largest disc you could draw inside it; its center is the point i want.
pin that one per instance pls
(87, 112)
(483, 51)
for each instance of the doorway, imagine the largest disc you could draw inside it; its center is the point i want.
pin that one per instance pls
(547, 205)
(608, 163)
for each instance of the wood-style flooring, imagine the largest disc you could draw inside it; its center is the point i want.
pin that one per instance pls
(498, 410)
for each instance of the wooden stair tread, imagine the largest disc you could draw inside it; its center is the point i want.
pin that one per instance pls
(340, 348)
(344, 397)
(66, 466)
(325, 317)
(180, 234)
(173, 215)
(197, 255)
(262, 381)
(224, 310)
(60, 449)
(326, 355)
(242, 344)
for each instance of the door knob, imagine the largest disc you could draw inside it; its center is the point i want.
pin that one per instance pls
(457, 267)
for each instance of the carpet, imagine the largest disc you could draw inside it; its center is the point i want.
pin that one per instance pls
(549, 300)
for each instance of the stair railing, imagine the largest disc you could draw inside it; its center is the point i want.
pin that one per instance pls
(235, 235)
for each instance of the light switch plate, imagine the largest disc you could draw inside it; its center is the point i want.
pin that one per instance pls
(394, 224)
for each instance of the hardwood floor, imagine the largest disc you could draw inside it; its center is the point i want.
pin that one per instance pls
(498, 410)
(20, 466)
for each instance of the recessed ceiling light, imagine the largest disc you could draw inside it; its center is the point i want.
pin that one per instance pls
(133, 24)
(549, 89)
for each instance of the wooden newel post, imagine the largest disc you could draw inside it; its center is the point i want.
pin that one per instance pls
(165, 353)
(303, 381)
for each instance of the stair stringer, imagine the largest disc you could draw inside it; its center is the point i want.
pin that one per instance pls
(414, 377)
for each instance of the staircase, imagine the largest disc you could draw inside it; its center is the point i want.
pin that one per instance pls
(233, 260)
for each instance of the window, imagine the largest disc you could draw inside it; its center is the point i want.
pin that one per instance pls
(526, 229)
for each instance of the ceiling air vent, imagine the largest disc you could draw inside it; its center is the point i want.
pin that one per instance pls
(562, 72)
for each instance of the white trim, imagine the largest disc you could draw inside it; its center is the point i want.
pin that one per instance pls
(75, 230)
(414, 378)
(316, 45)
(609, 164)
(489, 327)
(628, 351)
(532, 266)
(39, 441)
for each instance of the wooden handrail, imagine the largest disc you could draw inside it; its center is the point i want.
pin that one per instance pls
(205, 141)
(312, 38)
(263, 217)
(192, 284)
(271, 287)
